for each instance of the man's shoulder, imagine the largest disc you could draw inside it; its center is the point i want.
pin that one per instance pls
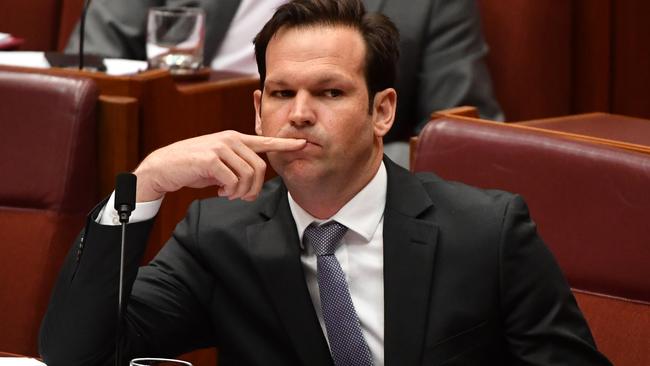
(458, 196)
(433, 182)
(469, 215)
(407, 188)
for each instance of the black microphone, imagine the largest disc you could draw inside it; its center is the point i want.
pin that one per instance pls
(125, 185)
(125, 195)
(82, 34)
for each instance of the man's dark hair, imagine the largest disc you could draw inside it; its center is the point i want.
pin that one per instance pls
(379, 34)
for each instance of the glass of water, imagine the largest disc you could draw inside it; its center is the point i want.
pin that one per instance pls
(175, 37)
(158, 362)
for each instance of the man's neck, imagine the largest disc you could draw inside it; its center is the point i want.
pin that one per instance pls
(361, 214)
(324, 200)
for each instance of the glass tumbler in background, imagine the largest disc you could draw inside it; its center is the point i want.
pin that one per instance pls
(158, 362)
(175, 37)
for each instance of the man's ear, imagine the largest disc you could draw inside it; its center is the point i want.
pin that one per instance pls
(383, 111)
(257, 101)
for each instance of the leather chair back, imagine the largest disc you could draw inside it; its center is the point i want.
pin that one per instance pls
(592, 205)
(47, 186)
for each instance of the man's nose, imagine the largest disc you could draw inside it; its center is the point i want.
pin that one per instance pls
(302, 111)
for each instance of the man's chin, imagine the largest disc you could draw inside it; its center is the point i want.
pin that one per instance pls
(280, 160)
(296, 170)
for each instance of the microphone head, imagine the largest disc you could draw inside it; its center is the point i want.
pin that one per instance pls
(125, 184)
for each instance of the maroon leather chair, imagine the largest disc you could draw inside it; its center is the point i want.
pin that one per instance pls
(590, 201)
(48, 184)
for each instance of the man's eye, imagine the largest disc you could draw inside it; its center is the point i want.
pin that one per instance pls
(333, 93)
(282, 93)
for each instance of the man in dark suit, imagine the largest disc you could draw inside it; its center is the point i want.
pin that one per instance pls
(442, 50)
(422, 272)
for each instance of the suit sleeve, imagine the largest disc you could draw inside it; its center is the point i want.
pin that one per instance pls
(543, 323)
(165, 300)
(453, 71)
(115, 28)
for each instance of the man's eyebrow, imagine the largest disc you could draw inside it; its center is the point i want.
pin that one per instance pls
(331, 79)
(325, 79)
(275, 83)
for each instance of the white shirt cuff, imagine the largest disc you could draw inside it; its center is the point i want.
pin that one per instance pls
(143, 211)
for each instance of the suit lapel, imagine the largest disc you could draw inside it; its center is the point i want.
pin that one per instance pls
(218, 16)
(275, 252)
(409, 248)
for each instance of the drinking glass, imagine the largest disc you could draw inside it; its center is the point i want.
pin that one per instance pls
(158, 362)
(175, 38)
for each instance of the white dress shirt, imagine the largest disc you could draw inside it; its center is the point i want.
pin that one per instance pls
(236, 52)
(361, 257)
(360, 254)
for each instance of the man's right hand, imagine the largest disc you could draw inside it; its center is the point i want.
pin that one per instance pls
(226, 159)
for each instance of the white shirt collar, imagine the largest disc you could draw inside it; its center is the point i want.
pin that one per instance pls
(361, 214)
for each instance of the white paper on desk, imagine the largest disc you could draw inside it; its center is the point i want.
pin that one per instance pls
(19, 361)
(114, 66)
(24, 59)
(120, 66)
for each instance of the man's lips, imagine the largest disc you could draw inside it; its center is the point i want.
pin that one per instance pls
(311, 143)
(310, 147)
(310, 140)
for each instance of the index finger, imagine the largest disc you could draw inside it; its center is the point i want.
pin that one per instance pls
(261, 144)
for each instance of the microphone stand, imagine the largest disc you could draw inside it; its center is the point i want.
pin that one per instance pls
(125, 187)
(120, 304)
(82, 33)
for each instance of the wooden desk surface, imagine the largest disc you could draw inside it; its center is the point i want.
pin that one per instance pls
(8, 354)
(600, 125)
(614, 130)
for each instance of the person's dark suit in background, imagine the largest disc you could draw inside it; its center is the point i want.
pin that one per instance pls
(441, 47)
(465, 278)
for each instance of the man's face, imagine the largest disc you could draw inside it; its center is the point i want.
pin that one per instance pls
(315, 89)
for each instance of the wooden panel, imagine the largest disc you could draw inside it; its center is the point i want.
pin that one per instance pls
(37, 21)
(70, 13)
(591, 42)
(530, 55)
(7, 354)
(118, 139)
(201, 357)
(631, 71)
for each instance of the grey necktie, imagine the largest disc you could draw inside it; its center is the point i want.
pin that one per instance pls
(347, 344)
